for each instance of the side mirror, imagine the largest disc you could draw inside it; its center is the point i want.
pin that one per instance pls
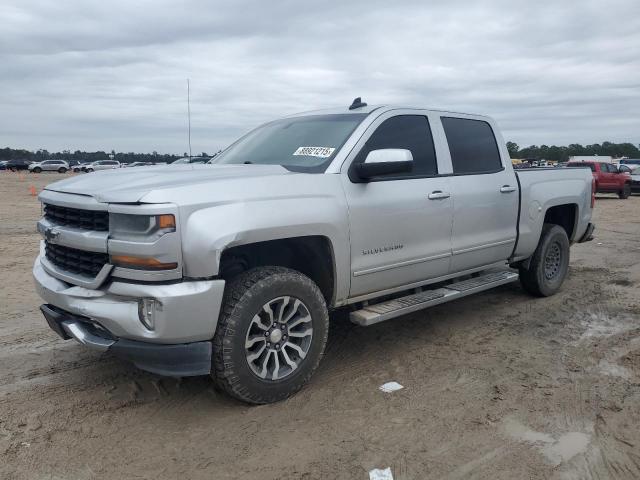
(387, 161)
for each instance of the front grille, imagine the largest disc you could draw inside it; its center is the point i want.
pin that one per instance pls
(74, 217)
(75, 261)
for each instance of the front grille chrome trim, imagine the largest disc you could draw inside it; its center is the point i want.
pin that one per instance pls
(73, 237)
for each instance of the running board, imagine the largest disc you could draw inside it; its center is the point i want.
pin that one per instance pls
(380, 312)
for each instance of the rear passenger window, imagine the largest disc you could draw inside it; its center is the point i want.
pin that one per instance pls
(472, 145)
(410, 132)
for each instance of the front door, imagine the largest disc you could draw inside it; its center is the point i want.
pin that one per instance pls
(400, 225)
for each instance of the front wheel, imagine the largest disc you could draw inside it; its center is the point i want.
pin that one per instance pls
(37, 170)
(625, 192)
(62, 170)
(549, 263)
(271, 334)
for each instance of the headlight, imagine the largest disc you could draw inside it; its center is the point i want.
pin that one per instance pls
(137, 227)
(137, 230)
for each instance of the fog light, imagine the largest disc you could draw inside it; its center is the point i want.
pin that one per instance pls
(147, 308)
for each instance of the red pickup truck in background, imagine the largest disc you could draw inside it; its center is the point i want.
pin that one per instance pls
(607, 177)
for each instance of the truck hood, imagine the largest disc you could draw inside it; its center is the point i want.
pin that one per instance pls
(129, 185)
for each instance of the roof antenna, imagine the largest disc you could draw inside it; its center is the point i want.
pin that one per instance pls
(357, 103)
(189, 114)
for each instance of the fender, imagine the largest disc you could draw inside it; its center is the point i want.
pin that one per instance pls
(208, 231)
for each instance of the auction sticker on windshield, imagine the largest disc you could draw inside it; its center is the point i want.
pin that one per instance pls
(322, 152)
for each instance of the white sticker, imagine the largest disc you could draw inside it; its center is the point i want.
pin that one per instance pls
(322, 152)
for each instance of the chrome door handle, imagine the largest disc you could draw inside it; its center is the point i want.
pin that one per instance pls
(507, 189)
(438, 195)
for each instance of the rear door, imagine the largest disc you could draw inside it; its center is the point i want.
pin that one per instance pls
(400, 225)
(484, 191)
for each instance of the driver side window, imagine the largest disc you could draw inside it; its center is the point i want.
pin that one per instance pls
(409, 132)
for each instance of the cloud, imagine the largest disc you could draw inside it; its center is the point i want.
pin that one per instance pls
(112, 75)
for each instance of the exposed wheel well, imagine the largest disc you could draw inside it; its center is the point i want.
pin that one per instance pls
(564, 216)
(312, 256)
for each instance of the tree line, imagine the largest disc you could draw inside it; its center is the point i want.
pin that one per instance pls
(562, 153)
(39, 155)
(542, 152)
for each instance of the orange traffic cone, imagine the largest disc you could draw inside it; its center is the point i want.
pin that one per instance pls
(32, 189)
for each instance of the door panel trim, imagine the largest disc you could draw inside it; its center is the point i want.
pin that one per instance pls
(486, 245)
(400, 264)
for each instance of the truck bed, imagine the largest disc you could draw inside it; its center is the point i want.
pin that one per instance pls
(543, 188)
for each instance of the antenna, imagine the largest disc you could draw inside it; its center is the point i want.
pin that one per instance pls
(189, 114)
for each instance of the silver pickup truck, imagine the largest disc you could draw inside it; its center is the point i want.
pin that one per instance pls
(230, 269)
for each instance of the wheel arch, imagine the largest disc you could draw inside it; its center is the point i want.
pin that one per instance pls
(312, 256)
(565, 215)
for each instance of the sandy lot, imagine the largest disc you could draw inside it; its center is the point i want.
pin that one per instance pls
(499, 385)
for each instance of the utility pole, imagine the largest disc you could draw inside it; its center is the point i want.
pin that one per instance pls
(189, 114)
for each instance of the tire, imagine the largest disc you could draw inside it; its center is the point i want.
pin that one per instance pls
(76, 170)
(37, 170)
(244, 320)
(626, 191)
(62, 170)
(549, 264)
(89, 170)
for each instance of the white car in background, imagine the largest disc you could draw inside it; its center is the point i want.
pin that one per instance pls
(49, 166)
(635, 179)
(102, 165)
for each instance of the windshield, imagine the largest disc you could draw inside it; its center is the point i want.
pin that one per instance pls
(304, 144)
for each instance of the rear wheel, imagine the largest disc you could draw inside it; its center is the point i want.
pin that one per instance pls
(270, 336)
(89, 170)
(625, 192)
(549, 264)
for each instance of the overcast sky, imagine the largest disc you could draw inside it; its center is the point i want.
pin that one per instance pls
(88, 75)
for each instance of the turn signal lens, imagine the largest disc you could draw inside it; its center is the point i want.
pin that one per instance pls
(166, 221)
(140, 263)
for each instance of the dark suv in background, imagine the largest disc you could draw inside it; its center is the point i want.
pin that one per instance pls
(16, 165)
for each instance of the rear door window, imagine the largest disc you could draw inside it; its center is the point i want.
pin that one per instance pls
(472, 145)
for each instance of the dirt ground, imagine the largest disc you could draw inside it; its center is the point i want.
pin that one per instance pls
(496, 386)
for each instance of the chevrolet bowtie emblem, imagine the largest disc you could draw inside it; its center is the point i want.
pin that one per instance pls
(50, 234)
